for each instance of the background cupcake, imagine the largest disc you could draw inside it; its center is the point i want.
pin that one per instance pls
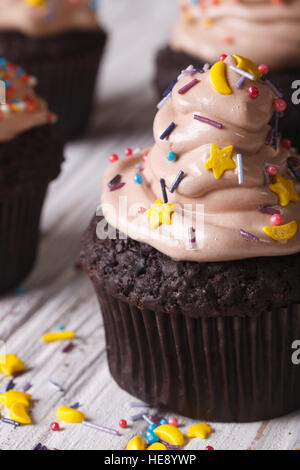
(61, 43)
(264, 30)
(200, 297)
(31, 153)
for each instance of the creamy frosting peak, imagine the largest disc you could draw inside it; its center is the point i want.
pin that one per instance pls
(45, 17)
(212, 214)
(260, 29)
(20, 108)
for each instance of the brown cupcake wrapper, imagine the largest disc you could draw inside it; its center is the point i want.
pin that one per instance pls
(19, 232)
(233, 369)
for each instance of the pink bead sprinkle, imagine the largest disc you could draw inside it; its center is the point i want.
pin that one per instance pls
(276, 219)
(173, 421)
(209, 448)
(54, 426)
(113, 157)
(272, 170)
(123, 423)
(144, 158)
(141, 210)
(128, 152)
(263, 68)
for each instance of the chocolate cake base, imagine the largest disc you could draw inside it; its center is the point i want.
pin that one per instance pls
(209, 341)
(27, 164)
(66, 66)
(169, 63)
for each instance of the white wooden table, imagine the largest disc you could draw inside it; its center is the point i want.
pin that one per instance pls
(56, 294)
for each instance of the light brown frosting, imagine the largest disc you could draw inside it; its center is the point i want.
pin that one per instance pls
(228, 206)
(46, 17)
(266, 31)
(23, 109)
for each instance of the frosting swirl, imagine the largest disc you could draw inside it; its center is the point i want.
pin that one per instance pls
(22, 109)
(256, 28)
(46, 17)
(215, 206)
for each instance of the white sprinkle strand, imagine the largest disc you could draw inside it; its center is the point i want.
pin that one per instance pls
(163, 101)
(240, 168)
(242, 72)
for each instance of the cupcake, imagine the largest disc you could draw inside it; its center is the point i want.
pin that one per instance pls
(31, 153)
(196, 257)
(61, 43)
(265, 30)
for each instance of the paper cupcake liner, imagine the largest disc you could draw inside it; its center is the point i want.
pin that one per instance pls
(169, 63)
(233, 369)
(19, 233)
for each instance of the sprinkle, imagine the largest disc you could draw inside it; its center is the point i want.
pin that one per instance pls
(177, 181)
(137, 417)
(240, 168)
(116, 186)
(10, 385)
(274, 88)
(242, 72)
(139, 167)
(57, 336)
(139, 404)
(168, 131)
(188, 86)
(293, 170)
(163, 190)
(37, 447)
(198, 69)
(206, 67)
(169, 446)
(188, 71)
(163, 101)
(101, 428)
(267, 178)
(68, 347)
(276, 131)
(267, 210)
(192, 238)
(138, 179)
(208, 121)
(26, 387)
(147, 418)
(10, 421)
(249, 236)
(240, 82)
(114, 180)
(75, 406)
(269, 137)
(56, 386)
(169, 89)
(171, 157)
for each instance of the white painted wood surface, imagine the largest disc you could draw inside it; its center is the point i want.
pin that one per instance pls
(55, 294)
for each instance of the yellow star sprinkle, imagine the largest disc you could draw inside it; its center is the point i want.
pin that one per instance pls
(247, 65)
(36, 3)
(16, 402)
(159, 213)
(285, 190)
(10, 364)
(220, 160)
(199, 430)
(282, 233)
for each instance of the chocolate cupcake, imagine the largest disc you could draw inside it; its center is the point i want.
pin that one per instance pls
(266, 31)
(61, 43)
(31, 153)
(196, 256)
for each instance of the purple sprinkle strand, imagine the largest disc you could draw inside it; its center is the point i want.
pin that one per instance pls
(113, 181)
(116, 186)
(177, 181)
(137, 417)
(10, 385)
(163, 190)
(168, 131)
(56, 386)
(37, 447)
(10, 421)
(274, 88)
(188, 86)
(26, 387)
(170, 88)
(249, 236)
(208, 121)
(269, 137)
(101, 428)
(139, 404)
(75, 406)
(268, 210)
(240, 82)
(68, 347)
(169, 446)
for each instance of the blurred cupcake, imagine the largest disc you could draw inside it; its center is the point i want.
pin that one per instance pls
(61, 43)
(265, 30)
(31, 153)
(198, 275)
